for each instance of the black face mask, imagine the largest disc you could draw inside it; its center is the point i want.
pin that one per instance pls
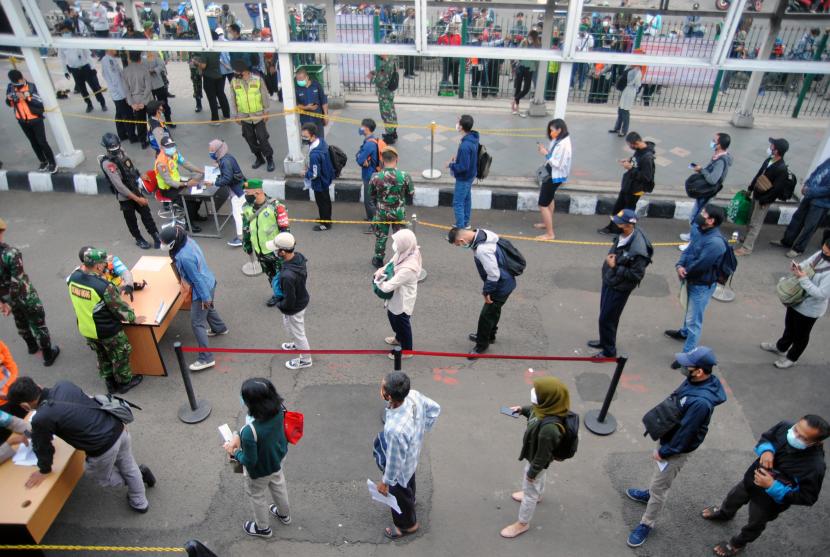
(250, 199)
(306, 141)
(700, 221)
(825, 256)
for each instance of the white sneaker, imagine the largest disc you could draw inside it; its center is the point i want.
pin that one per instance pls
(199, 365)
(212, 333)
(682, 247)
(391, 356)
(771, 347)
(685, 236)
(784, 363)
(392, 341)
(289, 346)
(297, 363)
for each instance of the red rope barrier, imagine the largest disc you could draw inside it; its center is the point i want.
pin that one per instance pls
(412, 352)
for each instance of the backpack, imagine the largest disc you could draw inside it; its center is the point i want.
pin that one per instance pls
(514, 261)
(393, 82)
(484, 162)
(649, 187)
(570, 435)
(727, 265)
(115, 406)
(663, 418)
(697, 187)
(622, 81)
(338, 159)
(789, 187)
(381, 145)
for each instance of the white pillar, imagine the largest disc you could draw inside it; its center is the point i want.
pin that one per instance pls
(822, 153)
(294, 162)
(134, 15)
(537, 105)
(334, 87)
(563, 85)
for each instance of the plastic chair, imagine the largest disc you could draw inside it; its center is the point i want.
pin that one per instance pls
(168, 209)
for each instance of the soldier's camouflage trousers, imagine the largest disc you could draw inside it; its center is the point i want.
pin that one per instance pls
(386, 102)
(196, 80)
(270, 264)
(30, 320)
(113, 356)
(383, 231)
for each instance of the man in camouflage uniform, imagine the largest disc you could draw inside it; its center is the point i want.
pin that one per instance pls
(100, 311)
(262, 219)
(386, 98)
(390, 189)
(193, 62)
(19, 298)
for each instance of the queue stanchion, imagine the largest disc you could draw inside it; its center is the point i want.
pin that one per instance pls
(397, 354)
(414, 220)
(195, 410)
(432, 173)
(601, 422)
(252, 268)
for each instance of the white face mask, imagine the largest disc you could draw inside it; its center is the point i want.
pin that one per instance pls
(769, 151)
(458, 127)
(533, 399)
(166, 247)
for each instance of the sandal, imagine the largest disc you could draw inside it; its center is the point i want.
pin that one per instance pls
(395, 534)
(726, 549)
(713, 513)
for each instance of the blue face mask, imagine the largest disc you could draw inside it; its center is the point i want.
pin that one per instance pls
(794, 441)
(361, 132)
(713, 145)
(212, 156)
(467, 246)
(170, 152)
(301, 82)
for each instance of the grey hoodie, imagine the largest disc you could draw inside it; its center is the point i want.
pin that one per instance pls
(717, 169)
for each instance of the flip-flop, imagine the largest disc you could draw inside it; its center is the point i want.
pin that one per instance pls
(726, 549)
(714, 513)
(393, 535)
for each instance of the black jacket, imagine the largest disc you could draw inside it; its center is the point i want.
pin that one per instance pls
(631, 263)
(801, 471)
(777, 173)
(640, 176)
(292, 282)
(67, 412)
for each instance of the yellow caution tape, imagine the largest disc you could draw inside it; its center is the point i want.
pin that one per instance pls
(91, 548)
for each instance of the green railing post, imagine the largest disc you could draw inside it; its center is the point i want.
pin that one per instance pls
(462, 70)
(639, 38)
(293, 26)
(376, 31)
(715, 91)
(808, 79)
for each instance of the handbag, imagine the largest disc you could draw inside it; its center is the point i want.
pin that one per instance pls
(542, 174)
(663, 418)
(739, 208)
(789, 289)
(389, 271)
(292, 425)
(697, 187)
(762, 184)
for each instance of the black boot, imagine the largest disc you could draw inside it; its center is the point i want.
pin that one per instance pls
(124, 387)
(258, 162)
(89, 107)
(271, 166)
(198, 105)
(377, 262)
(112, 386)
(50, 355)
(156, 241)
(31, 343)
(142, 243)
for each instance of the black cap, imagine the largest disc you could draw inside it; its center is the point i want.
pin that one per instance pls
(781, 145)
(167, 141)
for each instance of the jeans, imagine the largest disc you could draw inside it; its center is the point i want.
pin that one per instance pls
(611, 305)
(623, 118)
(117, 467)
(804, 223)
(488, 323)
(35, 131)
(368, 203)
(762, 509)
(531, 493)
(462, 202)
(405, 495)
(659, 488)
(402, 326)
(700, 203)
(200, 319)
(796, 336)
(698, 298)
(295, 329)
(257, 491)
(756, 221)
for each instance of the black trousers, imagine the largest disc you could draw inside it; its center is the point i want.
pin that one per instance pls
(215, 93)
(488, 323)
(123, 129)
(84, 76)
(141, 129)
(478, 76)
(323, 205)
(762, 509)
(35, 131)
(408, 66)
(256, 135)
(129, 208)
(796, 336)
(449, 71)
(406, 501)
(524, 79)
(611, 305)
(402, 326)
(162, 94)
(803, 225)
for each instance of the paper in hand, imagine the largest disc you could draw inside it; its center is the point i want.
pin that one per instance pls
(388, 500)
(662, 464)
(226, 433)
(25, 456)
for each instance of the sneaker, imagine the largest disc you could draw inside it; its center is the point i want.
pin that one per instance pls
(685, 237)
(784, 363)
(638, 535)
(793, 253)
(43, 166)
(682, 247)
(215, 124)
(391, 356)
(289, 346)
(613, 131)
(236, 242)
(52, 168)
(523, 114)
(297, 363)
(272, 301)
(275, 512)
(51, 355)
(199, 365)
(391, 341)
(675, 334)
(772, 347)
(147, 475)
(212, 333)
(639, 495)
(320, 228)
(252, 530)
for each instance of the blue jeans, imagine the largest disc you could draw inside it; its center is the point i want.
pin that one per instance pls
(698, 298)
(462, 203)
(202, 318)
(700, 203)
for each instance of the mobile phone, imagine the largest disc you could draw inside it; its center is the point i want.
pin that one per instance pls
(508, 412)
(692, 164)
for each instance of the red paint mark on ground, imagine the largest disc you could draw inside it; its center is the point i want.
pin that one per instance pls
(444, 375)
(726, 386)
(631, 382)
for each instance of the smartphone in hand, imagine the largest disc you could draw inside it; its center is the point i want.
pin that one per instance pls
(692, 165)
(507, 411)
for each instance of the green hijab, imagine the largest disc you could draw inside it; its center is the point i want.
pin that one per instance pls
(552, 398)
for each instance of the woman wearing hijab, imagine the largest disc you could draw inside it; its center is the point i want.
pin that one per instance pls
(403, 284)
(549, 398)
(230, 176)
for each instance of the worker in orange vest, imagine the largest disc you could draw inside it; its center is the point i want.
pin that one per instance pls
(28, 107)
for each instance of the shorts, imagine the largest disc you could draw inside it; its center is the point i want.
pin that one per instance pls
(547, 191)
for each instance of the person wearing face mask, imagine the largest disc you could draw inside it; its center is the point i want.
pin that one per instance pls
(250, 103)
(231, 177)
(113, 72)
(409, 415)
(294, 300)
(263, 218)
(403, 284)
(698, 267)
(498, 282)
(79, 63)
(123, 178)
(584, 43)
(381, 79)
(637, 179)
(319, 173)
(22, 97)
(558, 157)
(789, 471)
(158, 127)
(390, 189)
(769, 184)
(696, 398)
(214, 84)
(368, 159)
(147, 15)
(100, 312)
(311, 98)
(226, 18)
(139, 93)
(549, 405)
(168, 175)
(814, 277)
(250, 59)
(194, 272)
(67, 412)
(814, 206)
(464, 167)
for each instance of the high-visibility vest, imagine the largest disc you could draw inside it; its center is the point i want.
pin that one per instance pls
(172, 165)
(265, 224)
(248, 96)
(95, 320)
(22, 111)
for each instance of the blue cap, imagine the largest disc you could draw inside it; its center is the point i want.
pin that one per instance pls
(702, 356)
(626, 216)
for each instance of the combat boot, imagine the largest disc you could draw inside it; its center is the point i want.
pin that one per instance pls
(258, 162)
(50, 355)
(142, 243)
(198, 105)
(125, 387)
(112, 386)
(31, 343)
(271, 166)
(156, 241)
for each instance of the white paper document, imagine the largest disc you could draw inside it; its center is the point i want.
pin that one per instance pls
(196, 190)
(226, 433)
(25, 456)
(388, 500)
(662, 464)
(211, 173)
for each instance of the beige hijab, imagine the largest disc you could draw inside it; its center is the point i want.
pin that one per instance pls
(219, 147)
(408, 254)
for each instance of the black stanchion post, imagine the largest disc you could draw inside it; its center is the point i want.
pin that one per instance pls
(602, 422)
(195, 410)
(396, 352)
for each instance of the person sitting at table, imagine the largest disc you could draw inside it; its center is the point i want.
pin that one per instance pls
(170, 181)
(65, 411)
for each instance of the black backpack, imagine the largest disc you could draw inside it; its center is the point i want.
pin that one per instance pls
(622, 81)
(727, 265)
(789, 188)
(484, 162)
(570, 435)
(514, 261)
(394, 81)
(338, 159)
(663, 418)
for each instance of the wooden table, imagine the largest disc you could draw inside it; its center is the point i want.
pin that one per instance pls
(27, 514)
(162, 286)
